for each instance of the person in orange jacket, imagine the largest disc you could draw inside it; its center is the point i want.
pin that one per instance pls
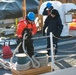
(27, 25)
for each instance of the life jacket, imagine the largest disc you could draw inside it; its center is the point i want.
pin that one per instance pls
(24, 24)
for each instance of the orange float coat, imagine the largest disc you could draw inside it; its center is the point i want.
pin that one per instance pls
(24, 24)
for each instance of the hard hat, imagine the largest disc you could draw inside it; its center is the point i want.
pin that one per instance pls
(48, 5)
(31, 16)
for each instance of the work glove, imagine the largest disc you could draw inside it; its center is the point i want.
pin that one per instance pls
(29, 33)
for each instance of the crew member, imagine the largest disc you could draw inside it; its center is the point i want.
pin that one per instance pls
(27, 25)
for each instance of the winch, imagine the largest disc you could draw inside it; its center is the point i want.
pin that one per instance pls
(42, 57)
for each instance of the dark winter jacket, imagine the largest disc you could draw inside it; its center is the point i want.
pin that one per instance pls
(54, 25)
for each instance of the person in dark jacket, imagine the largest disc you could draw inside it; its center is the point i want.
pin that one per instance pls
(27, 26)
(47, 9)
(53, 24)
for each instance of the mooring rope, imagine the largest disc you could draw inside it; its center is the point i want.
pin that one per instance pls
(16, 50)
(33, 62)
(5, 65)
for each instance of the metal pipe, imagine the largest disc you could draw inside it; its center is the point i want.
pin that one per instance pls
(51, 52)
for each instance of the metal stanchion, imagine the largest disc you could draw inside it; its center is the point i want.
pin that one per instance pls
(51, 52)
